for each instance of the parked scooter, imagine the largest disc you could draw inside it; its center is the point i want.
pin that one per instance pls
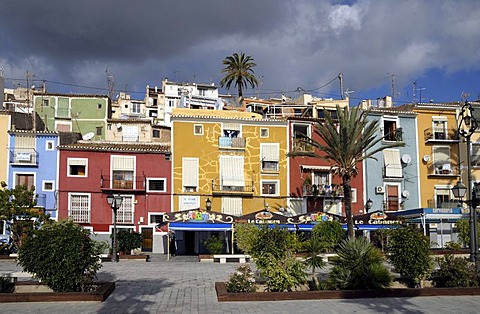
(7, 246)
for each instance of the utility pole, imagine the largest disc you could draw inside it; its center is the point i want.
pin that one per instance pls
(340, 78)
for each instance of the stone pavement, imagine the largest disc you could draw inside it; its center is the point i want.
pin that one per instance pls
(183, 285)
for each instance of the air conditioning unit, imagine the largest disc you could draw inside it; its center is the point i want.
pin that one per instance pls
(379, 190)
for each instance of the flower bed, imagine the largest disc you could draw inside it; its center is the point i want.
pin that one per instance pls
(35, 293)
(224, 296)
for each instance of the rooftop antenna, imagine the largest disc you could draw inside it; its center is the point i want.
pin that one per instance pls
(348, 92)
(392, 79)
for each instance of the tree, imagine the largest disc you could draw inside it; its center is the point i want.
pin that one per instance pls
(329, 234)
(313, 248)
(18, 207)
(409, 253)
(62, 255)
(463, 228)
(239, 71)
(345, 142)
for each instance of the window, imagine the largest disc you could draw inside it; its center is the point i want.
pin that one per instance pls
(45, 102)
(392, 196)
(123, 172)
(125, 212)
(389, 130)
(136, 108)
(263, 132)
(48, 185)
(393, 166)
(269, 154)
(171, 103)
(320, 178)
(443, 197)
(198, 129)
(99, 106)
(79, 207)
(156, 133)
(439, 128)
(354, 195)
(24, 152)
(231, 173)
(231, 130)
(441, 159)
(63, 108)
(300, 133)
(475, 154)
(99, 130)
(49, 145)
(77, 167)
(202, 92)
(156, 185)
(269, 187)
(190, 174)
(27, 179)
(155, 218)
(232, 206)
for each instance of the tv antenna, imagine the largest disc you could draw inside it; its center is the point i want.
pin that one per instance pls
(110, 83)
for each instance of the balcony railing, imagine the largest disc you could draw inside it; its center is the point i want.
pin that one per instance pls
(24, 156)
(440, 134)
(323, 190)
(219, 186)
(231, 142)
(442, 169)
(395, 136)
(432, 203)
(137, 183)
(299, 145)
(41, 199)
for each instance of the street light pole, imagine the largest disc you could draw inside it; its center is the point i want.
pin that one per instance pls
(115, 202)
(466, 127)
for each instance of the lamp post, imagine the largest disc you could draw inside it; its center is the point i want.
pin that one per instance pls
(208, 204)
(368, 205)
(467, 125)
(115, 202)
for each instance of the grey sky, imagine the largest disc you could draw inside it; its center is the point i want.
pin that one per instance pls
(302, 43)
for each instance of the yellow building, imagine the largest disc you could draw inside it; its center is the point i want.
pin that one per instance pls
(5, 119)
(439, 145)
(236, 160)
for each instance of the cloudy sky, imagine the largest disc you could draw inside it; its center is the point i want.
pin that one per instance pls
(297, 44)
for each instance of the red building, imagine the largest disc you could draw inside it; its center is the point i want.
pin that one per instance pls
(139, 172)
(313, 187)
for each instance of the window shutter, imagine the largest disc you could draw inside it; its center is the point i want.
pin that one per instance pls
(270, 152)
(190, 172)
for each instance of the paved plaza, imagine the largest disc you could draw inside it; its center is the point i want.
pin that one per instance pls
(183, 285)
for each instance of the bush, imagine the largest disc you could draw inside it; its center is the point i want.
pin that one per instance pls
(462, 226)
(452, 245)
(243, 280)
(128, 240)
(245, 235)
(329, 234)
(214, 245)
(410, 255)
(359, 265)
(455, 272)
(313, 247)
(62, 255)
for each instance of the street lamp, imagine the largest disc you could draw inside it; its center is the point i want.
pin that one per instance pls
(208, 204)
(115, 202)
(466, 127)
(368, 205)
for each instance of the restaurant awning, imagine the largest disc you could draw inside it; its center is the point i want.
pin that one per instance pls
(189, 226)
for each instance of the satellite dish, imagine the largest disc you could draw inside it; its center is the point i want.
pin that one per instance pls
(426, 158)
(88, 136)
(405, 193)
(406, 159)
(119, 125)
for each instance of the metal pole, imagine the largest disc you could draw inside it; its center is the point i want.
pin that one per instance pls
(473, 241)
(475, 228)
(114, 250)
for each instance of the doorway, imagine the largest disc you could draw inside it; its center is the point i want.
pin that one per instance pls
(147, 237)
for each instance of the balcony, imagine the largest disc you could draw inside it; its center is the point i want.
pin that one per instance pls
(440, 135)
(299, 145)
(231, 142)
(443, 169)
(395, 135)
(136, 184)
(219, 188)
(432, 203)
(323, 190)
(24, 157)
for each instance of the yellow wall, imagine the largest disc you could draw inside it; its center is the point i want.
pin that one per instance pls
(426, 180)
(4, 127)
(205, 147)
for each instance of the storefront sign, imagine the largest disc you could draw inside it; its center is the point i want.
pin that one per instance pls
(197, 216)
(377, 218)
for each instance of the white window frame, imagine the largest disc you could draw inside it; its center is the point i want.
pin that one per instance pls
(262, 145)
(49, 145)
(389, 119)
(150, 214)
(88, 210)
(113, 168)
(48, 181)
(157, 179)
(71, 161)
(354, 195)
(277, 187)
(195, 129)
(184, 174)
(442, 119)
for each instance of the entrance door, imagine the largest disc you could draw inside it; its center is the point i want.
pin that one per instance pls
(189, 241)
(147, 237)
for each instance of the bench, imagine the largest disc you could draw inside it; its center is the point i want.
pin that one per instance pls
(16, 274)
(236, 258)
(325, 256)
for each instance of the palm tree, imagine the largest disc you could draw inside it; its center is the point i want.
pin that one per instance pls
(239, 71)
(349, 140)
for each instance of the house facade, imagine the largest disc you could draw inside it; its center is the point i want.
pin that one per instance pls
(138, 172)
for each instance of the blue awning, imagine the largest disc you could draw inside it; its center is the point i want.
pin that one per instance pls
(197, 226)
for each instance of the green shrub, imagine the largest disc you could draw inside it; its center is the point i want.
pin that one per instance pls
(455, 272)
(214, 244)
(452, 245)
(359, 265)
(462, 226)
(245, 235)
(329, 234)
(313, 248)
(410, 255)
(243, 280)
(128, 240)
(62, 255)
